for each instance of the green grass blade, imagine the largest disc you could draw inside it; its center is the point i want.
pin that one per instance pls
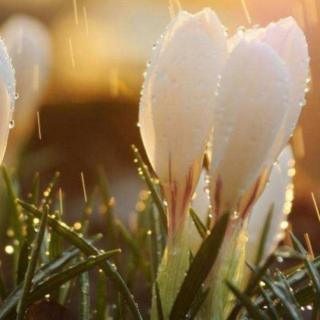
(196, 306)
(159, 304)
(199, 269)
(315, 310)
(48, 192)
(101, 296)
(109, 214)
(64, 276)
(14, 211)
(252, 309)
(198, 223)
(154, 243)
(88, 249)
(85, 296)
(154, 193)
(3, 290)
(45, 271)
(23, 261)
(280, 293)
(35, 193)
(32, 265)
(312, 270)
(264, 236)
(288, 288)
(128, 239)
(271, 308)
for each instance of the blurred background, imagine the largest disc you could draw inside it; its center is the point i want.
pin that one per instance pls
(86, 83)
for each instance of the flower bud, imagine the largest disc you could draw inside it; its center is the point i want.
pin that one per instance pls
(177, 104)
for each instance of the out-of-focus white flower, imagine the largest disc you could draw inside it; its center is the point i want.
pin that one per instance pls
(177, 104)
(7, 97)
(29, 46)
(277, 195)
(259, 100)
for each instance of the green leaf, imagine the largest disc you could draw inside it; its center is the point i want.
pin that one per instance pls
(36, 246)
(89, 249)
(154, 241)
(316, 309)
(197, 303)
(35, 193)
(155, 195)
(283, 280)
(101, 296)
(199, 269)
(280, 293)
(85, 296)
(128, 239)
(14, 211)
(109, 214)
(198, 223)
(313, 272)
(64, 276)
(23, 261)
(48, 192)
(158, 301)
(264, 236)
(48, 269)
(271, 308)
(252, 309)
(3, 291)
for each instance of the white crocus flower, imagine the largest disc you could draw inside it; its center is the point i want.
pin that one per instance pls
(277, 195)
(29, 46)
(248, 95)
(7, 97)
(261, 94)
(177, 104)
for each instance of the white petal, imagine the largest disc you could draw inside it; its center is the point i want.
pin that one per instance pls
(288, 40)
(201, 205)
(252, 103)
(178, 96)
(279, 194)
(29, 47)
(7, 73)
(200, 201)
(5, 117)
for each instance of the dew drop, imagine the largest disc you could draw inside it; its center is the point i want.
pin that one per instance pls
(11, 124)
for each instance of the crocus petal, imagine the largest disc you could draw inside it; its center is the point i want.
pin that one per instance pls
(252, 103)
(279, 195)
(201, 205)
(177, 102)
(288, 40)
(178, 94)
(29, 47)
(200, 200)
(5, 117)
(7, 97)
(7, 73)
